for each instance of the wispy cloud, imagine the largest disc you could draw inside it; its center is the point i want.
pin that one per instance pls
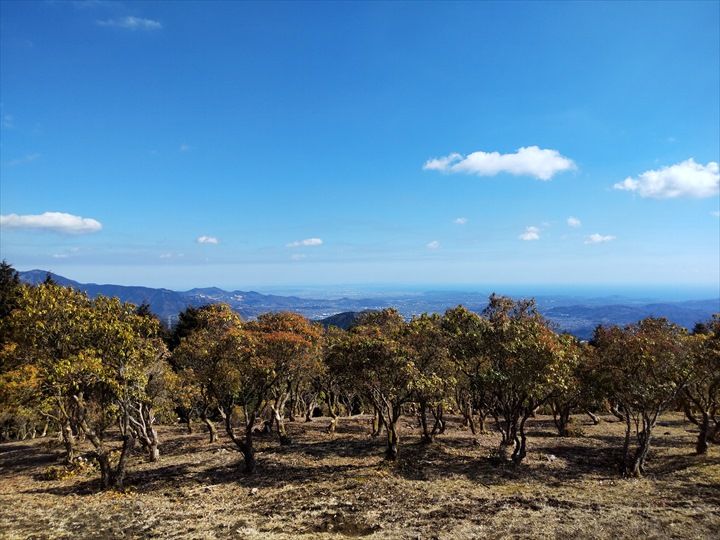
(598, 238)
(685, 179)
(8, 122)
(185, 147)
(131, 23)
(574, 222)
(716, 213)
(531, 233)
(207, 240)
(51, 221)
(433, 245)
(533, 161)
(29, 158)
(308, 242)
(460, 221)
(297, 256)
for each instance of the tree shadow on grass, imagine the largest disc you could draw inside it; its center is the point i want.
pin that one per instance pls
(15, 458)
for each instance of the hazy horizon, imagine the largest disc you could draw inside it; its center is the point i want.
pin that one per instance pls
(629, 291)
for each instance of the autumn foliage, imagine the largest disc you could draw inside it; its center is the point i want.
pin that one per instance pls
(106, 371)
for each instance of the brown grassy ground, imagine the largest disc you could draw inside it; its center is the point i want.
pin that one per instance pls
(329, 486)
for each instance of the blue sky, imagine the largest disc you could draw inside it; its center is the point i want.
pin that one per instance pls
(269, 144)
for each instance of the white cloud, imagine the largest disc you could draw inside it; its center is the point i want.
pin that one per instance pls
(207, 240)
(60, 256)
(574, 222)
(185, 147)
(433, 245)
(716, 213)
(306, 242)
(684, 179)
(297, 256)
(51, 221)
(29, 158)
(598, 238)
(461, 221)
(531, 233)
(527, 161)
(132, 23)
(8, 121)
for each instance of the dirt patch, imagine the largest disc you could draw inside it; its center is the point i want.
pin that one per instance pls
(330, 486)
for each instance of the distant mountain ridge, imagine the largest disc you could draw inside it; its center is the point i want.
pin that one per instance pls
(576, 315)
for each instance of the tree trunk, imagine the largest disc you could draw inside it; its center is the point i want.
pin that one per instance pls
(616, 413)
(438, 414)
(519, 451)
(153, 449)
(185, 414)
(280, 423)
(212, 430)
(248, 451)
(638, 466)
(393, 438)
(333, 417)
(561, 418)
(701, 446)
(625, 466)
(467, 412)
(293, 404)
(105, 470)
(427, 436)
(109, 478)
(482, 414)
(118, 476)
(69, 442)
(245, 446)
(377, 423)
(593, 417)
(309, 412)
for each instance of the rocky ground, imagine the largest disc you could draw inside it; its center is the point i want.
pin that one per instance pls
(325, 486)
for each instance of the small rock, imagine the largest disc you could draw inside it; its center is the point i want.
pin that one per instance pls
(254, 491)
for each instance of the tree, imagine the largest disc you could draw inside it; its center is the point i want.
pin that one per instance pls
(94, 360)
(9, 289)
(576, 391)
(50, 334)
(380, 361)
(700, 397)
(526, 363)
(645, 366)
(465, 333)
(197, 356)
(339, 385)
(243, 367)
(426, 344)
(188, 320)
(290, 345)
(125, 353)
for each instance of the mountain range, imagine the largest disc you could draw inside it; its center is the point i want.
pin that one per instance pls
(573, 314)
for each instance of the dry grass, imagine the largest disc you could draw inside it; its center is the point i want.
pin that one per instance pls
(327, 486)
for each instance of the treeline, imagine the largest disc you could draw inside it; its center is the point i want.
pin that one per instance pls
(93, 368)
